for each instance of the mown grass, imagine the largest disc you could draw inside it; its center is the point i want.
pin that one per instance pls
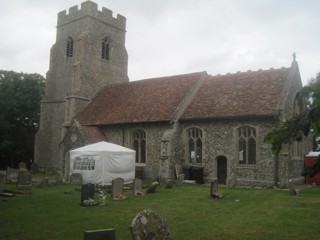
(50, 213)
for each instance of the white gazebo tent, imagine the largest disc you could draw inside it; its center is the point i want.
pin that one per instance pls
(101, 162)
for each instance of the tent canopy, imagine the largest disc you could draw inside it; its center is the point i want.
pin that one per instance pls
(101, 162)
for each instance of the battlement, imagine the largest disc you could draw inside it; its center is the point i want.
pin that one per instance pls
(89, 8)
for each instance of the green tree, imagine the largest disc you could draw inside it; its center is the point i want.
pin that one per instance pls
(303, 124)
(20, 96)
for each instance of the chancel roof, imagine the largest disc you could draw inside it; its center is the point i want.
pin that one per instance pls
(194, 96)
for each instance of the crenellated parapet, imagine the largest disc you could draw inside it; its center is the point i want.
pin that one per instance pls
(89, 8)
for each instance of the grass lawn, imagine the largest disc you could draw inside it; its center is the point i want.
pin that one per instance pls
(50, 213)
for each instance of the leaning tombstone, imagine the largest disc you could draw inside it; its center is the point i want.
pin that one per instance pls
(24, 181)
(137, 187)
(103, 234)
(214, 189)
(76, 178)
(149, 225)
(117, 189)
(153, 187)
(12, 174)
(87, 195)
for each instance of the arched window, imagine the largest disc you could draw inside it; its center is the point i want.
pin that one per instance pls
(105, 49)
(69, 50)
(247, 146)
(195, 145)
(139, 145)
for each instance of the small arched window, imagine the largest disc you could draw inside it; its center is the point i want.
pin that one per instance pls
(139, 145)
(247, 145)
(105, 49)
(195, 145)
(69, 50)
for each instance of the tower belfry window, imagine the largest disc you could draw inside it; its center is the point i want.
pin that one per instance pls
(105, 49)
(69, 49)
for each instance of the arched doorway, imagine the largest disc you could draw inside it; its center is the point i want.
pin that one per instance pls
(222, 169)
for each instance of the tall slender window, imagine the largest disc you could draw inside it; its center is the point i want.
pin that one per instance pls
(69, 50)
(247, 145)
(105, 49)
(139, 145)
(195, 145)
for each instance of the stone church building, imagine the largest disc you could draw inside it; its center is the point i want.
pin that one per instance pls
(215, 124)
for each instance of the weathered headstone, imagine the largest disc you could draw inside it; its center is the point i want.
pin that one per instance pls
(34, 167)
(102, 197)
(180, 179)
(103, 234)
(153, 187)
(24, 181)
(149, 225)
(76, 178)
(12, 174)
(137, 187)
(168, 183)
(178, 170)
(214, 193)
(117, 188)
(22, 165)
(2, 181)
(87, 194)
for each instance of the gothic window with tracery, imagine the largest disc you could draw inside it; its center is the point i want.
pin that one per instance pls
(247, 145)
(105, 49)
(195, 145)
(69, 50)
(139, 145)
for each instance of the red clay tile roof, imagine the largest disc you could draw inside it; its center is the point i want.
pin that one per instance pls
(245, 94)
(150, 100)
(93, 134)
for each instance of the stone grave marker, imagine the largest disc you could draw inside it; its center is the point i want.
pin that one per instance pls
(2, 181)
(149, 225)
(12, 174)
(87, 195)
(153, 187)
(76, 178)
(44, 182)
(24, 181)
(34, 167)
(178, 170)
(180, 179)
(168, 183)
(117, 189)
(22, 165)
(137, 187)
(103, 234)
(214, 193)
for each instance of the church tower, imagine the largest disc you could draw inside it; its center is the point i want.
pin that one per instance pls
(88, 54)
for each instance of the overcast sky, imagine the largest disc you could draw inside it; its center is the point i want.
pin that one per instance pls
(169, 37)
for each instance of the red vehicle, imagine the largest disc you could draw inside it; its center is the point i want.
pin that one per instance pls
(309, 161)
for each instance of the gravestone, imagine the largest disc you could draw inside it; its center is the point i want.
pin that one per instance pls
(24, 181)
(180, 179)
(34, 167)
(102, 197)
(44, 182)
(137, 187)
(117, 188)
(103, 234)
(12, 174)
(168, 183)
(153, 187)
(76, 178)
(87, 195)
(214, 193)
(178, 170)
(2, 181)
(22, 165)
(149, 225)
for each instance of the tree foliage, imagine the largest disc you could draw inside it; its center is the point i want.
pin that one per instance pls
(20, 96)
(303, 124)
